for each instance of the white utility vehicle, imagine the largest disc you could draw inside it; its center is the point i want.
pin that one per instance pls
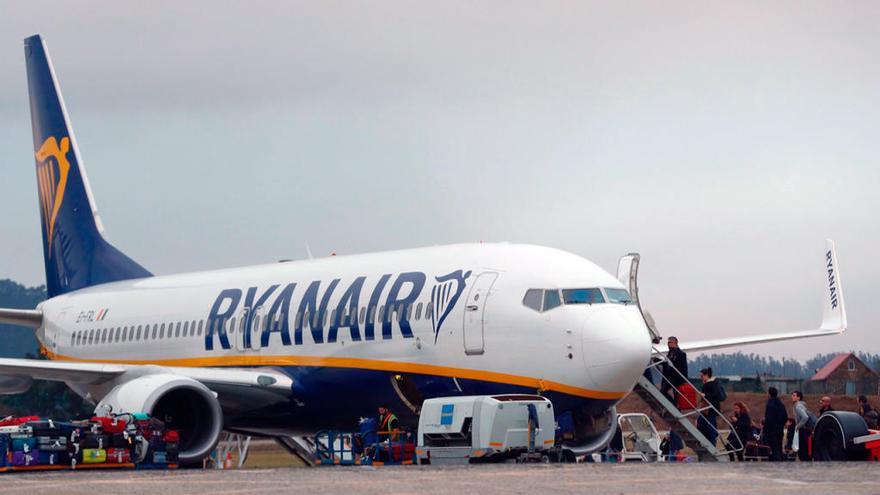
(458, 430)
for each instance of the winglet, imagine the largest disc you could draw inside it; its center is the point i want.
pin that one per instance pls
(833, 310)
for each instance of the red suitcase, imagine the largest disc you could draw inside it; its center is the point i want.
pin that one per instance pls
(118, 456)
(686, 398)
(109, 425)
(15, 421)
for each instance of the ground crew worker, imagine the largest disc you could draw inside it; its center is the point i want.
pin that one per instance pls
(387, 423)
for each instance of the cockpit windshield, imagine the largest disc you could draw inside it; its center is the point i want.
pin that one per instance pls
(582, 296)
(619, 296)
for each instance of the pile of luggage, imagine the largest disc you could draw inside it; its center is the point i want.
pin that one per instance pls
(120, 441)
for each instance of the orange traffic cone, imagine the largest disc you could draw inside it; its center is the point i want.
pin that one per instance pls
(228, 463)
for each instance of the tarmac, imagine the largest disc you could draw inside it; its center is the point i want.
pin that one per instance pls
(692, 479)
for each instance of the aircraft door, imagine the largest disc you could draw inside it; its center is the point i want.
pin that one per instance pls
(475, 321)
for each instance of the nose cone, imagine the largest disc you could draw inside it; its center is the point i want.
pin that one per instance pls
(617, 346)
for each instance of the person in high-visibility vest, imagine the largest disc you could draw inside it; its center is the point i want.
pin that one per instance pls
(387, 424)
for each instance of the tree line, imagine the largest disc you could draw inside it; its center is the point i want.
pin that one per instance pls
(742, 364)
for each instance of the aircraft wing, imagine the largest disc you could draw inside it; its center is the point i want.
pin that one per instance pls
(833, 315)
(97, 373)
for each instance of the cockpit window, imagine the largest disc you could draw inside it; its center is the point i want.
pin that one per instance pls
(532, 299)
(582, 296)
(619, 296)
(551, 299)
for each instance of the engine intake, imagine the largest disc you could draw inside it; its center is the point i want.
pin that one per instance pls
(184, 404)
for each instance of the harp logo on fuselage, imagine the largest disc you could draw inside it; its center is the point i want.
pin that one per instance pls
(248, 318)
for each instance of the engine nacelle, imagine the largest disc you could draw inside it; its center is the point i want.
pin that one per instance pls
(184, 404)
(594, 432)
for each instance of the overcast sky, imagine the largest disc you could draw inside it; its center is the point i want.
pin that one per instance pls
(722, 141)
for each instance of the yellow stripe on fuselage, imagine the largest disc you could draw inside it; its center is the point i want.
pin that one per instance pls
(366, 364)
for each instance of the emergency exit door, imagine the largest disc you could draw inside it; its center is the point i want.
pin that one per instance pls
(475, 322)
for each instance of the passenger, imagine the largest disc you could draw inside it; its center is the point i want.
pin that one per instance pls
(713, 394)
(871, 416)
(789, 439)
(805, 420)
(388, 424)
(676, 361)
(742, 425)
(671, 445)
(774, 421)
(824, 405)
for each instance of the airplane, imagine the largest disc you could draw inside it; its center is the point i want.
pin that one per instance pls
(293, 347)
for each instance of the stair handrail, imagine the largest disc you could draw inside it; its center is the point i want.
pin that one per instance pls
(657, 359)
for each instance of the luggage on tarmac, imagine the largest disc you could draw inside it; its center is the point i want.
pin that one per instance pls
(17, 420)
(45, 428)
(686, 397)
(55, 444)
(26, 444)
(20, 458)
(118, 456)
(120, 440)
(95, 441)
(52, 458)
(109, 425)
(94, 456)
(159, 458)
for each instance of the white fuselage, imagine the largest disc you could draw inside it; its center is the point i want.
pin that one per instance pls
(593, 351)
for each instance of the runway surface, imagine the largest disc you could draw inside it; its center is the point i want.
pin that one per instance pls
(825, 478)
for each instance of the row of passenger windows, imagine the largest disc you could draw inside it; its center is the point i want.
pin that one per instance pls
(196, 328)
(547, 299)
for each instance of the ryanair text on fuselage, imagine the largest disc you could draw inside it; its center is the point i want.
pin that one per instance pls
(311, 304)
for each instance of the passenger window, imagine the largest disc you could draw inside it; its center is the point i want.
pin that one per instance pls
(551, 299)
(155, 331)
(185, 328)
(298, 321)
(162, 331)
(200, 327)
(333, 316)
(381, 316)
(619, 296)
(137, 336)
(125, 334)
(104, 336)
(363, 312)
(371, 316)
(532, 299)
(177, 330)
(118, 334)
(429, 310)
(419, 311)
(582, 296)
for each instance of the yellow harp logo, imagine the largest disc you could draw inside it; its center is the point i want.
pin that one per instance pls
(52, 170)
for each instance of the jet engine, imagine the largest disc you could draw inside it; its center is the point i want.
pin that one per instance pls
(593, 432)
(182, 403)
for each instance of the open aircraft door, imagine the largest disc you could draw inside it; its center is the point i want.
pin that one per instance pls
(475, 313)
(628, 275)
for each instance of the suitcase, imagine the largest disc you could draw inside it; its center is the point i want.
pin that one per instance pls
(54, 444)
(172, 436)
(94, 456)
(109, 425)
(159, 457)
(45, 428)
(52, 458)
(4, 449)
(25, 458)
(140, 416)
(172, 451)
(120, 441)
(686, 398)
(24, 444)
(15, 421)
(118, 456)
(93, 441)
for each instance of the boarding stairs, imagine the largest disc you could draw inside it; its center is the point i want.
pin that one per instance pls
(300, 446)
(685, 423)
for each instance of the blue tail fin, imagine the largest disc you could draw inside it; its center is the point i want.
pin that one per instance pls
(74, 249)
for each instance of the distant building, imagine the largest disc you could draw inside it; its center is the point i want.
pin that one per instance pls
(784, 384)
(846, 374)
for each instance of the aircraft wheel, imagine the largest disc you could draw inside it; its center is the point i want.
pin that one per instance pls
(834, 434)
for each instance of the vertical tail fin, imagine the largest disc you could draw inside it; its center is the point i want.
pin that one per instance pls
(75, 252)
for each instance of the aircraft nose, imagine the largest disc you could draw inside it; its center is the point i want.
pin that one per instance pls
(617, 347)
